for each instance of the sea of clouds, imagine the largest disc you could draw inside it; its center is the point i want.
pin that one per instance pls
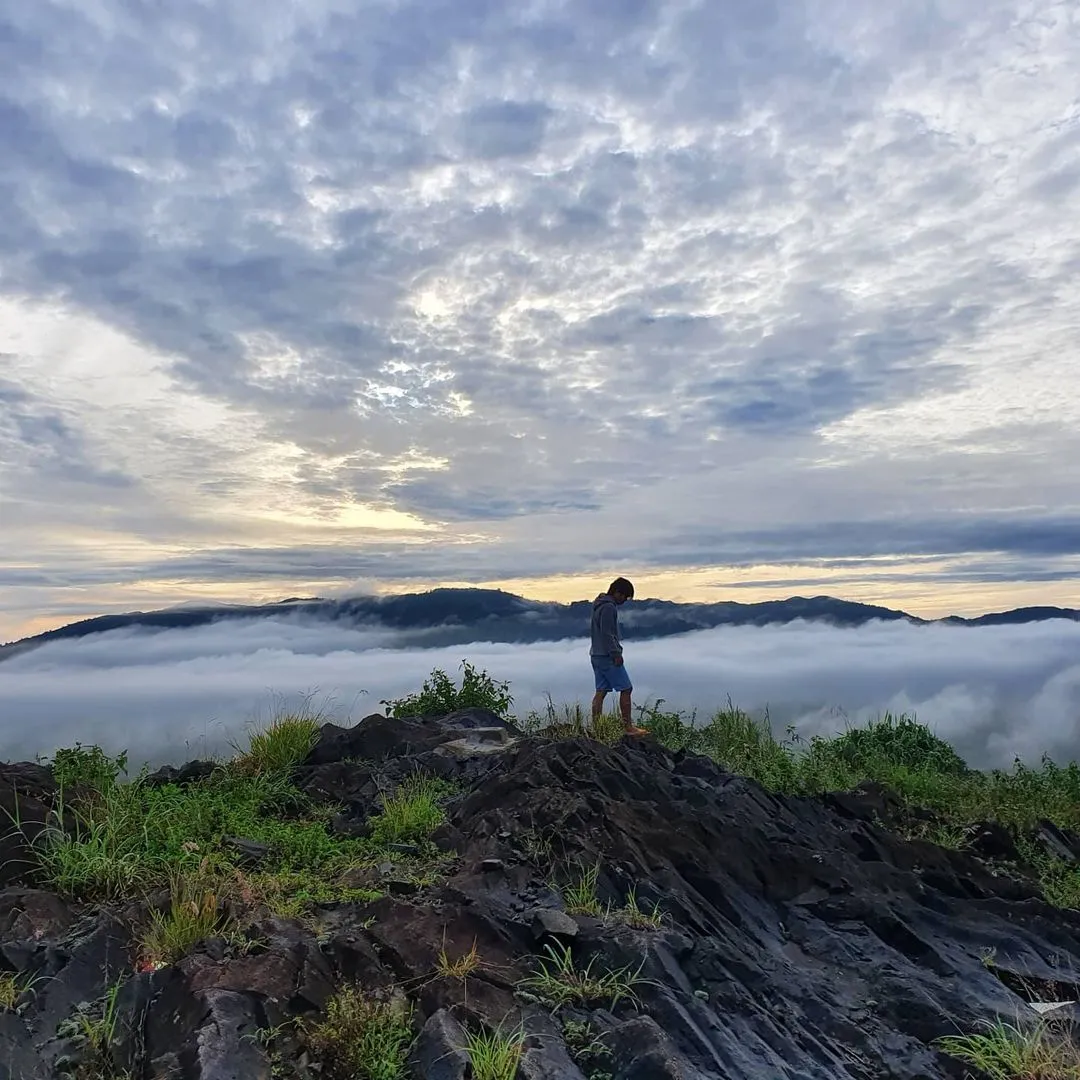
(166, 696)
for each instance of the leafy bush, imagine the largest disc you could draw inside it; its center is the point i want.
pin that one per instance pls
(90, 767)
(440, 696)
(893, 742)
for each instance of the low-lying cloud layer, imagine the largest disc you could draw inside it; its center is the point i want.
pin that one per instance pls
(994, 692)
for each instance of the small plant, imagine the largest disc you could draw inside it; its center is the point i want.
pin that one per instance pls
(10, 991)
(192, 917)
(440, 696)
(1008, 1052)
(96, 1027)
(558, 982)
(579, 896)
(87, 767)
(587, 1049)
(282, 745)
(495, 1055)
(461, 967)
(412, 813)
(537, 845)
(12, 988)
(363, 1039)
(635, 916)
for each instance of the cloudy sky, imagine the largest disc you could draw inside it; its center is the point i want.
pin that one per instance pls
(741, 298)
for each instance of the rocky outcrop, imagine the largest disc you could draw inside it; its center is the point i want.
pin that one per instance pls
(795, 939)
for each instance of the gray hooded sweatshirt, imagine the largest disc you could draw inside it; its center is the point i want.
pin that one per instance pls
(605, 627)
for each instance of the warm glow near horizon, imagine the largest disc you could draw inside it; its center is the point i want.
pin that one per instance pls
(919, 597)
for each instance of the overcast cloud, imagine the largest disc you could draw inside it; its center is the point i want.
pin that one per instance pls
(475, 291)
(995, 692)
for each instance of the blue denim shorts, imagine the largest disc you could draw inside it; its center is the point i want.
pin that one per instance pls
(610, 676)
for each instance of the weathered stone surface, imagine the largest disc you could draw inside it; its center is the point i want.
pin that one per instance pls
(643, 1052)
(438, 1053)
(30, 915)
(224, 1046)
(550, 922)
(22, 819)
(801, 940)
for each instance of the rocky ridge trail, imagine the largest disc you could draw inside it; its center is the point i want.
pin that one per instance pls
(794, 938)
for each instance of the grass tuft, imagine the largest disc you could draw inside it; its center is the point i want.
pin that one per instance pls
(280, 746)
(632, 914)
(363, 1039)
(412, 813)
(495, 1055)
(193, 916)
(1016, 1052)
(559, 982)
(12, 988)
(96, 1027)
(458, 968)
(580, 896)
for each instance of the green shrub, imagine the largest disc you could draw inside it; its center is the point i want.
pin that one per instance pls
(892, 743)
(87, 766)
(440, 696)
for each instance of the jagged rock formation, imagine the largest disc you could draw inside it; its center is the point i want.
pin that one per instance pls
(800, 939)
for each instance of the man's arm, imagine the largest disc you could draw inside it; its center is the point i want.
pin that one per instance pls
(609, 629)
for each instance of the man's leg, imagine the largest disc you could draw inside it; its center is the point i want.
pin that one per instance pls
(598, 704)
(624, 708)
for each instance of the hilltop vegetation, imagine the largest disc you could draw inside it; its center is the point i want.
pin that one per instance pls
(336, 832)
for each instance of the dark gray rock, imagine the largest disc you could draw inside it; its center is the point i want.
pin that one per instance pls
(251, 852)
(224, 1047)
(550, 922)
(546, 1056)
(437, 1054)
(643, 1052)
(190, 773)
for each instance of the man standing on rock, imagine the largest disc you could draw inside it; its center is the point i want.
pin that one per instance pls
(607, 655)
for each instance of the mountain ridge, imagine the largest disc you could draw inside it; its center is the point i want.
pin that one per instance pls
(449, 616)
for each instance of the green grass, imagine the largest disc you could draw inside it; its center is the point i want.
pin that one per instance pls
(193, 916)
(413, 812)
(12, 988)
(579, 895)
(363, 1039)
(571, 721)
(458, 967)
(282, 745)
(97, 1027)
(632, 914)
(587, 1049)
(558, 981)
(1036, 1051)
(495, 1054)
(134, 836)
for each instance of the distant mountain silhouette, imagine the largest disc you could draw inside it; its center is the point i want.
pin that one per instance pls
(444, 617)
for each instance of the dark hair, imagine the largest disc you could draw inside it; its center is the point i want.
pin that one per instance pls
(623, 586)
